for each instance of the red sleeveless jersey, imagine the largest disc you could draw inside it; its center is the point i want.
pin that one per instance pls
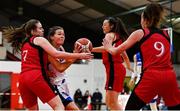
(155, 49)
(107, 57)
(33, 57)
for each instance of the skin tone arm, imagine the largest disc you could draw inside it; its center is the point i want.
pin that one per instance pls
(133, 38)
(98, 49)
(61, 67)
(109, 37)
(126, 60)
(42, 42)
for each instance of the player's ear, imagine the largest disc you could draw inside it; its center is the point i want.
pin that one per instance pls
(111, 26)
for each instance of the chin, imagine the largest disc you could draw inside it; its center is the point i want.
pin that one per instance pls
(59, 44)
(41, 35)
(105, 32)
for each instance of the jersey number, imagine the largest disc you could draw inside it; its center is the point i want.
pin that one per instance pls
(159, 47)
(24, 55)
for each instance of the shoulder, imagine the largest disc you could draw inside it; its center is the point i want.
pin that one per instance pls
(39, 40)
(137, 34)
(110, 35)
(139, 31)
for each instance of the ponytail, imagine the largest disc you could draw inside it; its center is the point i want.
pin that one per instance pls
(15, 36)
(121, 29)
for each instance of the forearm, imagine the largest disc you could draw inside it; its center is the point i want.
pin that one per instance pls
(127, 62)
(98, 49)
(128, 65)
(61, 67)
(114, 50)
(64, 66)
(66, 55)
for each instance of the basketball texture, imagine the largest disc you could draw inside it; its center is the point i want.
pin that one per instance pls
(85, 44)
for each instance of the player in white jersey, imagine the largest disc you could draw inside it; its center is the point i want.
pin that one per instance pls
(57, 67)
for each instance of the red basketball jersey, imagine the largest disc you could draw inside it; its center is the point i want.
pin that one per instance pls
(107, 57)
(33, 57)
(155, 49)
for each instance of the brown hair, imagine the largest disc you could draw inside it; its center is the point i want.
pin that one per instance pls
(16, 36)
(52, 31)
(119, 27)
(153, 14)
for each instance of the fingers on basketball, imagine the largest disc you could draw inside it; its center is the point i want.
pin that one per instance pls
(83, 45)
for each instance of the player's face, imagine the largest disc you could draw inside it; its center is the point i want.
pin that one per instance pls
(39, 31)
(106, 26)
(59, 37)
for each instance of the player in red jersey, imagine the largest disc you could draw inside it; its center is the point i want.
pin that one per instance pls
(33, 81)
(115, 70)
(158, 76)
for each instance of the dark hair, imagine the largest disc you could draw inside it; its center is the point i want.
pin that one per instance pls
(52, 31)
(153, 13)
(118, 27)
(16, 36)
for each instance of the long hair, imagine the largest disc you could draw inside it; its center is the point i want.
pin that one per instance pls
(118, 27)
(153, 13)
(16, 36)
(52, 31)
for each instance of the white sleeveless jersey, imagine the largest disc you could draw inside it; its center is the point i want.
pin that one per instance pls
(59, 77)
(60, 80)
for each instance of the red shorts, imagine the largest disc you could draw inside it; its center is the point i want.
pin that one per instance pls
(161, 83)
(33, 85)
(115, 75)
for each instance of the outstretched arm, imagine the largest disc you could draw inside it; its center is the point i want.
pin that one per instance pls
(110, 38)
(44, 43)
(133, 38)
(98, 49)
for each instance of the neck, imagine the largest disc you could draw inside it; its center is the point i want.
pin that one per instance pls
(56, 45)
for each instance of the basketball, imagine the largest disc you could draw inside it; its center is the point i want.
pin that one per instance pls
(85, 43)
